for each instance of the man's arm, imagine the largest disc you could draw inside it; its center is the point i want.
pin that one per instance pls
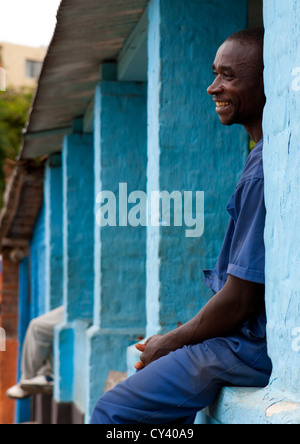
(221, 316)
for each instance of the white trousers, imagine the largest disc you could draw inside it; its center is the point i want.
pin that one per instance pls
(37, 352)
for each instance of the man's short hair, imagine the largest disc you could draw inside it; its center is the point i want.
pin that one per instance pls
(254, 36)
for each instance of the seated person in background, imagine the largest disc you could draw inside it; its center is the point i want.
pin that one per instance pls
(37, 357)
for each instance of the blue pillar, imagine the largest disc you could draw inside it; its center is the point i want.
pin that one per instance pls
(188, 150)
(78, 226)
(282, 180)
(38, 266)
(23, 406)
(120, 158)
(78, 275)
(53, 232)
(64, 363)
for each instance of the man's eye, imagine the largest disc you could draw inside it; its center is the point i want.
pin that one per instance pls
(227, 76)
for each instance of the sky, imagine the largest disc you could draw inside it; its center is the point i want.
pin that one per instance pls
(28, 22)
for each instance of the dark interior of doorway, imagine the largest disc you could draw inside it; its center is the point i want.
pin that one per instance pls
(255, 13)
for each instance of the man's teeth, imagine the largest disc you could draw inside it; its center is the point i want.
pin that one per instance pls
(222, 104)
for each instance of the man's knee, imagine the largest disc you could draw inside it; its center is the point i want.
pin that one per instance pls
(34, 325)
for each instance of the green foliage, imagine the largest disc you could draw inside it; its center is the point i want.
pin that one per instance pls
(14, 107)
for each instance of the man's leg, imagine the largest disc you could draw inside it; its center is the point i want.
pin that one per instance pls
(177, 386)
(37, 353)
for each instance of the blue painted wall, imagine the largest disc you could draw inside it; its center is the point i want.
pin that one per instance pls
(282, 176)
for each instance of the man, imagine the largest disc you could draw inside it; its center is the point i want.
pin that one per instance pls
(37, 357)
(181, 372)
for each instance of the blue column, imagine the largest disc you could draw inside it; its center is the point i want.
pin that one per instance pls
(38, 266)
(53, 232)
(282, 180)
(23, 406)
(120, 158)
(64, 363)
(78, 275)
(188, 150)
(78, 226)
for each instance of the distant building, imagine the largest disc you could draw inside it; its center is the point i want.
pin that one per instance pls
(22, 64)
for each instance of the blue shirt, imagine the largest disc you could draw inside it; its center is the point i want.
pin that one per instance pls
(243, 251)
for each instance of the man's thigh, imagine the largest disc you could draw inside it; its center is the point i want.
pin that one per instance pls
(170, 389)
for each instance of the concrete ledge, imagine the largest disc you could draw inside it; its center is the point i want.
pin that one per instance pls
(133, 356)
(237, 405)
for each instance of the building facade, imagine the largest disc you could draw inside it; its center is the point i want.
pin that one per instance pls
(121, 113)
(22, 64)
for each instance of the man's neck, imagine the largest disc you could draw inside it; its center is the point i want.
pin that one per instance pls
(255, 130)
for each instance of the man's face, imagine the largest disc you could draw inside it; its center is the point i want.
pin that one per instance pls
(238, 88)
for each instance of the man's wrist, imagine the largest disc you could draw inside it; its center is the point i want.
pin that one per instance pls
(176, 339)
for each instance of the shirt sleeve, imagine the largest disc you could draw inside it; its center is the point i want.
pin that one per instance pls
(247, 252)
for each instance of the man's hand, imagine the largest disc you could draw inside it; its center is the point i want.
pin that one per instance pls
(223, 315)
(153, 349)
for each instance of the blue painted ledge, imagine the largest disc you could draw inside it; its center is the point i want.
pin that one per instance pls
(237, 405)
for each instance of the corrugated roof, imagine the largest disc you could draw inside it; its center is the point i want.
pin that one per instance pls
(87, 34)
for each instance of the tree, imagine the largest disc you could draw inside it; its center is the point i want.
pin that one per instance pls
(14, 107)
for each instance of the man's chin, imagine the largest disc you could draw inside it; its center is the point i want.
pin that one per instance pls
(227, 122)
(228, 119)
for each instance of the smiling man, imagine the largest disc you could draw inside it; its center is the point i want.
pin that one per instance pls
(238, 89)
(181, 372)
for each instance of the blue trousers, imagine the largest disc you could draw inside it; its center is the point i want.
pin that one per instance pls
(175, 387)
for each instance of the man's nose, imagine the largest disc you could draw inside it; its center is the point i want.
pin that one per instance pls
(215, 87)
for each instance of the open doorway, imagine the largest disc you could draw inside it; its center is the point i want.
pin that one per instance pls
(255, 13)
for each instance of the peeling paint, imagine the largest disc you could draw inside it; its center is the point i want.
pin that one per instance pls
(280, 407)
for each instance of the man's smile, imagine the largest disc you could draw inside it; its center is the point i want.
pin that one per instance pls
(222, 107)
(222, 104)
